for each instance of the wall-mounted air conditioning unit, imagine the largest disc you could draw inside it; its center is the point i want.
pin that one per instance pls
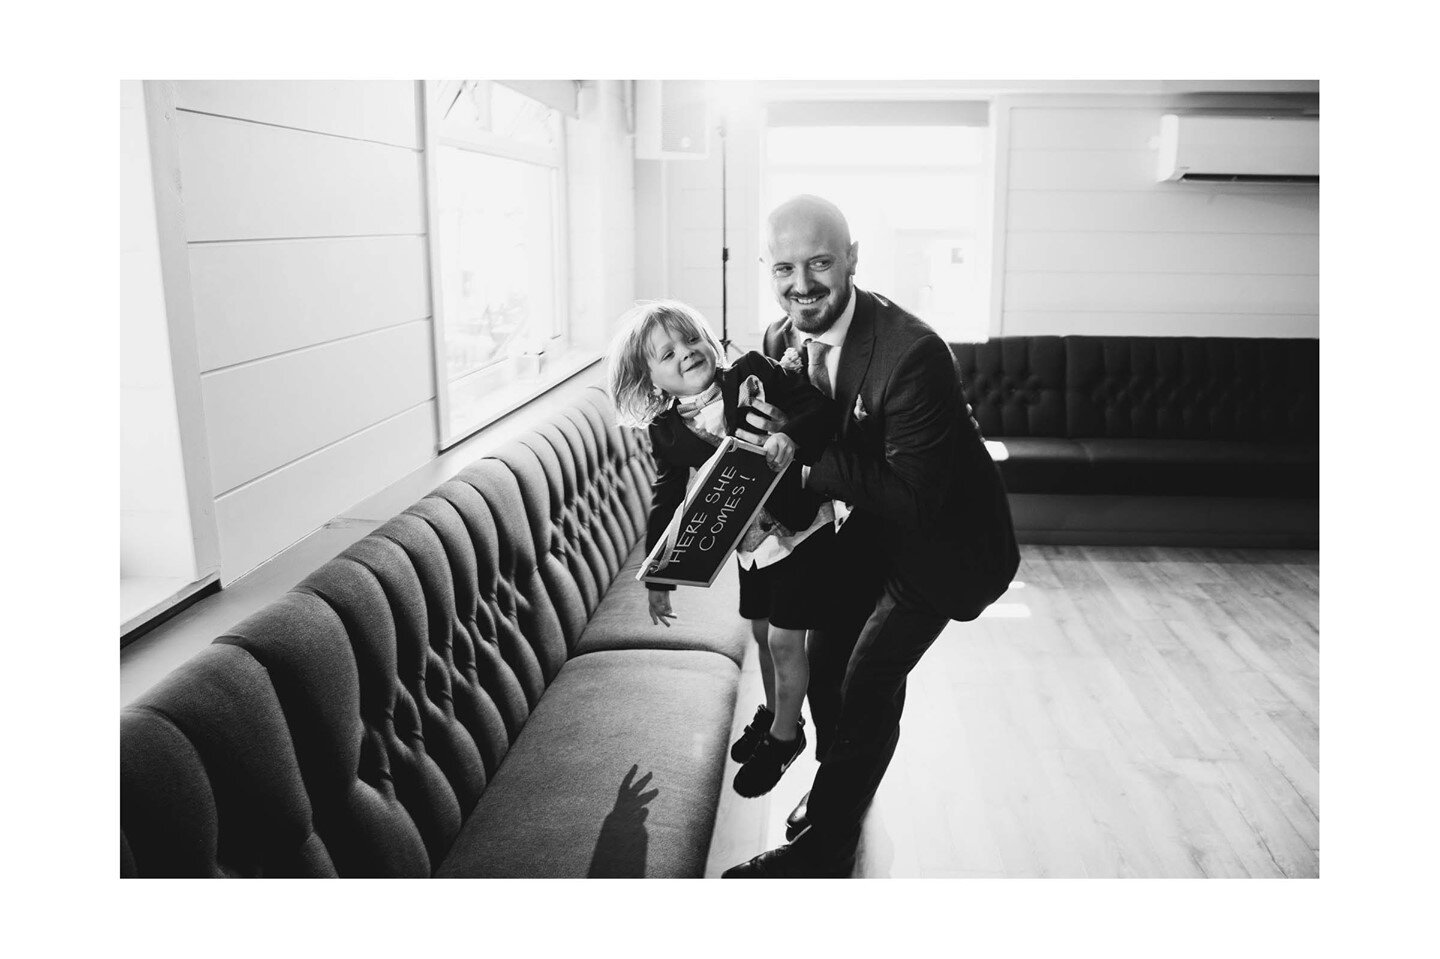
(672, 120)
(1239, 149)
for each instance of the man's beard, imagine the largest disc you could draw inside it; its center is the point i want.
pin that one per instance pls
(826, 319)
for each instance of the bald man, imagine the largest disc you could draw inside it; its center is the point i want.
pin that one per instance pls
(928, 529)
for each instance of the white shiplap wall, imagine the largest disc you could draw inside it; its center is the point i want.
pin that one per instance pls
(305, 222)
(681, 230)
(304, 219)
(1092, 244)
(1087, 241)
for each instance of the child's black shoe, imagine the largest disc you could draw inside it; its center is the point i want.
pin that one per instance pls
(750, 738)
(768, 763)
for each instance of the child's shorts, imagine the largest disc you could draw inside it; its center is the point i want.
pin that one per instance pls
(818, 585)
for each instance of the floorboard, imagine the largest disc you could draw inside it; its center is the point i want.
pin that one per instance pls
(1122, 711)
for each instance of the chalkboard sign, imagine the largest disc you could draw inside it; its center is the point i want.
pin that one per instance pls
(719, 506)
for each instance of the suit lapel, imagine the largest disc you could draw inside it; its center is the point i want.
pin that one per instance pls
(856, 353)
(778, 338)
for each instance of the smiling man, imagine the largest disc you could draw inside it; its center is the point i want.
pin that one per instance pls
(812, 263)
(928, 526)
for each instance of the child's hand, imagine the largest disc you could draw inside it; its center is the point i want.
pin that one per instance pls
(660, 613)
(779, 451)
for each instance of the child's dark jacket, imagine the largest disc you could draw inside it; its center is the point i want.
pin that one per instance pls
(813, 418)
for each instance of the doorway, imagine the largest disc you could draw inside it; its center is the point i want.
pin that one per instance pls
(915, 180)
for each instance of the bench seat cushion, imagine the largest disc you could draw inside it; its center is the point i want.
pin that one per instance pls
(617, 773)
(706, 619)
(1039, 464)
(1202, 467)
(1157, 467)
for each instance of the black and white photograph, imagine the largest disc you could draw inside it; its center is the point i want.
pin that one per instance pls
(415, 374)
(719, 455)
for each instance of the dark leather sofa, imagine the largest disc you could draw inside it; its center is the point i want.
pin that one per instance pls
(473, 689)
(1154, 440)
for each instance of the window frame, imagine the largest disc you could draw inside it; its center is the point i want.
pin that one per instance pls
(489, 144)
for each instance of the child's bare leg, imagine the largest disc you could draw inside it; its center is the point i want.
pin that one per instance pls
(792, 675)
(760, 629)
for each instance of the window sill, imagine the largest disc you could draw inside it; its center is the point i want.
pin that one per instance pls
(144, 599)
(502, 400)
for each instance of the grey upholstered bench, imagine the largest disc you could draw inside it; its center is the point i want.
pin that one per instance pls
(473, 689)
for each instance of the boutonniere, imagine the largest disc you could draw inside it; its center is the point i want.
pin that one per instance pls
(860, 411)
(790, 361)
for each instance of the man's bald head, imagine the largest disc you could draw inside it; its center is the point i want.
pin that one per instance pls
(811, 260)
(809, 213)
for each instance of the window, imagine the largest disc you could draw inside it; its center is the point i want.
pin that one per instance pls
(168, 541)
(496, 181)
(914, 181)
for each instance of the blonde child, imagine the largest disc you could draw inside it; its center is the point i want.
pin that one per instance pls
(667, 373)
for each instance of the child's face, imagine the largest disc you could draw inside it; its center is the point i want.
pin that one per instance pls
(681, 363)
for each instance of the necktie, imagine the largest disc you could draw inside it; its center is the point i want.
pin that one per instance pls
(819, 373)
(817, 370)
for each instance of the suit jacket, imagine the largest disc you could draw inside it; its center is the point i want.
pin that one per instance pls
(677, 449)
(909, 452)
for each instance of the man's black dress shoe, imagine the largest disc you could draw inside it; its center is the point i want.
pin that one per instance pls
(750, 736)
(795, 861)
(798, 819)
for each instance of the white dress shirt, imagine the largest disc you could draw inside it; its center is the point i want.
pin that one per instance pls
(835, 339)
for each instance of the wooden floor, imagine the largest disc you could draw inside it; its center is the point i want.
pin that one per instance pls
(1120, 712)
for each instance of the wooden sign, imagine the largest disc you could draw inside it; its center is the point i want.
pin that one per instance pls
(721, 503)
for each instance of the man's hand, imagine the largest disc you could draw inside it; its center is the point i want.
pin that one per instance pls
(660, 613)
(766, 419)
(779, 451)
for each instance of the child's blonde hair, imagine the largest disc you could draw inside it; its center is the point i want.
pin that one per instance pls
(637, 399)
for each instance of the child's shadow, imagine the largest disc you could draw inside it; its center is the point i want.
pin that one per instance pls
(623, 844)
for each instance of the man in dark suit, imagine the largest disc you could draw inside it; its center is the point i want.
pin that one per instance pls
(934, 524)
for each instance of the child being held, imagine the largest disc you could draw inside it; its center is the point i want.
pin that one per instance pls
(667, 372)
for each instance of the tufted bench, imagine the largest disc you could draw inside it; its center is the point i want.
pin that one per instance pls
(473, 689)
(1182, 440)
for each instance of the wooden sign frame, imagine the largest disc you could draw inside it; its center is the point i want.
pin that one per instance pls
(720, 505)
